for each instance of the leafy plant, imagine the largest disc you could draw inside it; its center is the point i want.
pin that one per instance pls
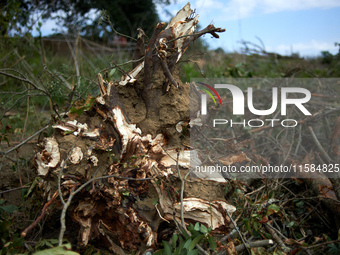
(77, 110)
(334, 248)
(64, 249)
(185, 244)
(9, 241)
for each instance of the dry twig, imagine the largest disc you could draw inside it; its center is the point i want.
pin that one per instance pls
(43, 212)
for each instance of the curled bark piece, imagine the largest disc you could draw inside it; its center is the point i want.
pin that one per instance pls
(131, 76)
(182, 25)
(210, 213)
(180, 125)
(181, 16)
(127, 131)
(170, 158)
(76, 128)
(76, 155)
(48, 156)
(102, 89)
(196, 121)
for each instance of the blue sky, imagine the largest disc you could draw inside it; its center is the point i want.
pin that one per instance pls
(285, 26)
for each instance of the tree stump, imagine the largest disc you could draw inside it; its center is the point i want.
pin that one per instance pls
(121, 180)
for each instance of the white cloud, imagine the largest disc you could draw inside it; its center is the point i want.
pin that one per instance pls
(310, 48)
(238, 9)
(207, 4)
(295, 5)
(48, 27)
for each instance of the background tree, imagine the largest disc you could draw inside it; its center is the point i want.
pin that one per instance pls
(14, 14)
(125, 15)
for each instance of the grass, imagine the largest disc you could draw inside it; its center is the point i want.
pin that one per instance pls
(216, 64)
(55, 73)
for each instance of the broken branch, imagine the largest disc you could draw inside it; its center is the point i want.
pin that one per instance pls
(319, 146)
(148, 54)
(260, 243)
(277, 239)
(167, 72)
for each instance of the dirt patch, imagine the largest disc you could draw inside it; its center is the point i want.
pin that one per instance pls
(17, 169)
(18, 159)
(209, 190)
(173, 107)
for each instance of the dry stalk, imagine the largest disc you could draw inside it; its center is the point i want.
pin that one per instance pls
(23, 78)
(240, 234)
(43, 212)
(182, 194)
(323, 244)
(276, 230)
(10, 190)
(119, 65)
(59, 77)
(18, 167)
(260, 243)
(4, 154)
(106, 18)
(277, 239)
(26, 66)
(26, 118)
(319, 146)
(317, 115)
(88, 45)
(160, 215)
